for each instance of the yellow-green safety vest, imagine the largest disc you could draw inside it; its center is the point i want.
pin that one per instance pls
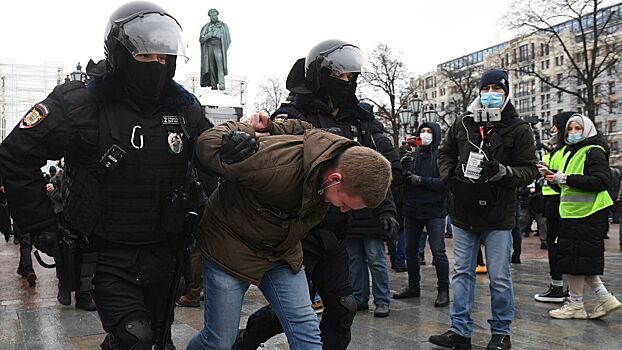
(556, 162)
(575, 203)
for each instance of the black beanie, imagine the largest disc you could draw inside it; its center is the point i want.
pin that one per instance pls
(495, 76)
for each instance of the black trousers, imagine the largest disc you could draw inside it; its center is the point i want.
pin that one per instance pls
(329, 276)
(552, 232)
(132, 280)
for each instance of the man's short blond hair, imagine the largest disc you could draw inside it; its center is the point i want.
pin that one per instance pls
(366, 173)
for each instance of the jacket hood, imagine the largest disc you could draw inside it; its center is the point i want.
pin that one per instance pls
(436, 133)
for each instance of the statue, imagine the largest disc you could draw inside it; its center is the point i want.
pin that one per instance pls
(215, 40)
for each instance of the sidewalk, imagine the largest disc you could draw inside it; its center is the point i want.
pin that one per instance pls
(32, 319)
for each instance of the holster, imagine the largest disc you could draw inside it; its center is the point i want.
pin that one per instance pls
(66, 269)
(87, 271)
(173, 213)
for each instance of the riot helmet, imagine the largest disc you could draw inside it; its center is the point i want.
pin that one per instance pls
(330, 59)
(142, 27)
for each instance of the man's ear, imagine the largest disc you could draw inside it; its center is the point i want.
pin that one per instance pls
(335, 177)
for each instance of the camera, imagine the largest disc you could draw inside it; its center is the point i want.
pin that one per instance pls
(485, 115)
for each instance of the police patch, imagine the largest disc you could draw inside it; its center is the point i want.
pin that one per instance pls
(34, 116)
(170, 120)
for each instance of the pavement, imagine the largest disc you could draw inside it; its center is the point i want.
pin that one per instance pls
(32, 319)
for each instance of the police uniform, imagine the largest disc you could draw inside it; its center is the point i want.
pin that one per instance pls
(122, 162)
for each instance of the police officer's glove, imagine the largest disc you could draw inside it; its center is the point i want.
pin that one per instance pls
(333, 130)
(390, 225)
(559, 178)
(493, 170)
(46, 240)
(407, 163)
(237, 146)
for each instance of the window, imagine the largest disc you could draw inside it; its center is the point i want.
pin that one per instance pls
(523, 52)
(612, 88)
(429, 82)
(599, 125)
(560, 97)
(612, 108)
(442, 106)
(611, 127)
(596, 90)
(596, 109)
(559, 78)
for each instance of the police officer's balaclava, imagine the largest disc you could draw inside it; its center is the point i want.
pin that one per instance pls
(144, 80)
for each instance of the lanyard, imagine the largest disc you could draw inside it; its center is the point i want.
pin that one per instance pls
(481, 132)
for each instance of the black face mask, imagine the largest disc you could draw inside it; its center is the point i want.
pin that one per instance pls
(340, 91)
(146, 80)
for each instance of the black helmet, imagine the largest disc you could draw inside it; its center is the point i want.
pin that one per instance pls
(332, 56)
(143, 28)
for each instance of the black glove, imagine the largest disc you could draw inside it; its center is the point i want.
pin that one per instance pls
(333, 130)
(413, 179)
(47, 241)
(407, 163)
(390, 225)
(237, 146)
(493, 170)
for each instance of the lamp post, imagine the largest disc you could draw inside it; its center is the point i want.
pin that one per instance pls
(405, 116)
(78, 74)
(415, 108)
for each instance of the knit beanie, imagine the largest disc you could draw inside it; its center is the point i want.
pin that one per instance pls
(495, 76)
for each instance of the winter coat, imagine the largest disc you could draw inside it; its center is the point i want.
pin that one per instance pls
(580, 245)
(267, 203)
(357, 123)
(485, 205)
(428, 200)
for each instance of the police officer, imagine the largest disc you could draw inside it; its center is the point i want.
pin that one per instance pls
(323, 89)
(127, 137)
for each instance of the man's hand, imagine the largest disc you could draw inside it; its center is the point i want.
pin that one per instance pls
(237, 146)
(47, 241)
(413, 179)
(493, 170)
(390, 225)
(49, 188)
(260, 122)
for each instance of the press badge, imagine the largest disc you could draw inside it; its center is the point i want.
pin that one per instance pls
(473, 169)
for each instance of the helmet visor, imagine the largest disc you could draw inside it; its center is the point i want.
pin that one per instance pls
(344, 59)
(153, 33)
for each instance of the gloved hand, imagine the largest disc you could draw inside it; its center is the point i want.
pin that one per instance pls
(390, 225)
(237, 146)
(493, 170)
(407, 163)
(333, 130)
(559, 178)
(46, 241)
(413, 179)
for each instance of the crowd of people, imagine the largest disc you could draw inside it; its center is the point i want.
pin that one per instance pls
(303, 203)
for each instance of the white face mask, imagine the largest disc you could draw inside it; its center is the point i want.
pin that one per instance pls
(426, 138)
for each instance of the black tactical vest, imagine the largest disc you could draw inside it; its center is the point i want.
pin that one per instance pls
(125, 204)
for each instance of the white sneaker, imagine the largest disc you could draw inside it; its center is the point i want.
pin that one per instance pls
(606, 304)
(570, 309)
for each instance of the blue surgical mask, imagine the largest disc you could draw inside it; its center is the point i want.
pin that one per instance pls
(426, 138)
(491, 99)
(575, 138)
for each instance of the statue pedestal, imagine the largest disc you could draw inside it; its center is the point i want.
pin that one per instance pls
(220, 105)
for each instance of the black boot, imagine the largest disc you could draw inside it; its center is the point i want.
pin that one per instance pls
(499, 342)
(84, 301)
(442, 299)
(452, 340)
(243, 342)
(408, 292)
(63, 296)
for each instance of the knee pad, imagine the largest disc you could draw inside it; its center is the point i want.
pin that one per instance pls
(347, 310)
(134, 333)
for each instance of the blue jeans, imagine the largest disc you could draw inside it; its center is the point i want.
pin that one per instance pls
(399, 258)
(287, 292)
(368, 254)
(498, 244)
(436, 236)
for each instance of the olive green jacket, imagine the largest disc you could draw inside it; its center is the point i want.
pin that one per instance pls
(268, 202)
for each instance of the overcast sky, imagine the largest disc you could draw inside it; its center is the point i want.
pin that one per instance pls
(266, 36)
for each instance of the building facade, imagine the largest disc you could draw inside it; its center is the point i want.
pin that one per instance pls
(531, 96)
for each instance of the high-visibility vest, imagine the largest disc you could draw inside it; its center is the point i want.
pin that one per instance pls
(557, 161)
(576, 203)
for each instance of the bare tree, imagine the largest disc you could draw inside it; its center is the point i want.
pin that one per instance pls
(466, 84)
(389, 76)
(588, 47)
(271, 93)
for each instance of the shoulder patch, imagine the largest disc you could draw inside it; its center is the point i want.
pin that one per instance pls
(34, 116)
(280, 118)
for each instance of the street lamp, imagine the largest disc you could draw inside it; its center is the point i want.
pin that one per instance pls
(430, 115)
(415, 107)
(78, 74)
